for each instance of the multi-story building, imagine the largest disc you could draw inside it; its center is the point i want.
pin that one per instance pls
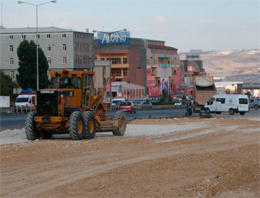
(143, 62)
(63, 48)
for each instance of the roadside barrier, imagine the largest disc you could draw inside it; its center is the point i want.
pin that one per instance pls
(138, 107)
(113, 108)
(15, 109)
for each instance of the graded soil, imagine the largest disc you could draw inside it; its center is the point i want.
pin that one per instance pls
(210, 158)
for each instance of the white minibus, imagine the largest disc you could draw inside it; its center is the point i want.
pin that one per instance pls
(232, 103)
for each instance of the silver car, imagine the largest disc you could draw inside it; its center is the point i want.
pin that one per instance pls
(146, 104)
(254, 103)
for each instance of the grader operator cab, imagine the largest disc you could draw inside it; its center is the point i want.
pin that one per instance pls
(69, 106)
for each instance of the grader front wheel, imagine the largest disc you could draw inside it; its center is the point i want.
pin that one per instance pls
(121, 118)
(76, 126)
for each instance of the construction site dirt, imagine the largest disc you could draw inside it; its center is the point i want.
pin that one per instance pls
(217, 157)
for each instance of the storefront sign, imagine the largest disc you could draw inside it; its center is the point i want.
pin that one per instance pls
(117, 38)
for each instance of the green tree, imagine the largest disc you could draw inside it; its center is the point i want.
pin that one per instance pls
(165, 95)
(7, 86)
(26, 77)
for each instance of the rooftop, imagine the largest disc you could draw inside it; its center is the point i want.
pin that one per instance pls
(33, 30)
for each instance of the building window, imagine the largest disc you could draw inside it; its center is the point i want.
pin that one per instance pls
(49, 59)
(124, 60)
(64, 47)
(116, 72)
(63, 35)
(48, 47)
(64, 60)
(11, 61)
(23, 36)
(12, 74)
(125, 72)
(37, 36)
(116, 60)
(11, 37)
(164, 60)
(48, 36)
(86, 59)
(80, 59)
(86, 47)
(11, 48)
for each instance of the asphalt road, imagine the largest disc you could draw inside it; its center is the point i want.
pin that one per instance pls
(17, 120)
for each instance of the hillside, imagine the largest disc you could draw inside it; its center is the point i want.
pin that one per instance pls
(238, 63)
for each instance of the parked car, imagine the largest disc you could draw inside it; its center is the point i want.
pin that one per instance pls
(254, 103)
(118, 100)
(127, 106)
(146, 104)
(138, 101)
(116, 103)
(177, 102)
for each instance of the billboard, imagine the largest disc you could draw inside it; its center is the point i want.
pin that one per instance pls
(4, 101)
(117, 38)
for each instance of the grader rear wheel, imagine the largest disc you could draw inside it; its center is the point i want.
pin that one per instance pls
(90, 125)
(30, 131)
(76, 126)
(121, 118)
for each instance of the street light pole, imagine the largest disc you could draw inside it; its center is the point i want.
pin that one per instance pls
(110, 61)
(37, 47)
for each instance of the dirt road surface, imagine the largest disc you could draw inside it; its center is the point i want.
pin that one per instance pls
(218, 159)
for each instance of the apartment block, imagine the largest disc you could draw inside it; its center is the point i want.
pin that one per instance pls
(63, 48)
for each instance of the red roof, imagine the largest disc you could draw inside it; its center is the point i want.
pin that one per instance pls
(161, 47)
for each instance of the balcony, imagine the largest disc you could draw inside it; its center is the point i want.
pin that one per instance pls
(120, 65)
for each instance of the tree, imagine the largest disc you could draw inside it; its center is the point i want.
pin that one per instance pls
(27, 66)
(7, 86)
(165, 96)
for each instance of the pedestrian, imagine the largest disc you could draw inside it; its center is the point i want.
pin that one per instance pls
(189, 108)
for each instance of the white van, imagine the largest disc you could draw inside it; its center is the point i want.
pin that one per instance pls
(25, 100)
(228, 103)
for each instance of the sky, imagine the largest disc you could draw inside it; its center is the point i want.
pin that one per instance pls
(183, 24)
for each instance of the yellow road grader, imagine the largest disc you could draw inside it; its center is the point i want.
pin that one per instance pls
(69, 106)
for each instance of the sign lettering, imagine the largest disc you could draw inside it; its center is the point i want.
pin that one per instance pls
(116, 38)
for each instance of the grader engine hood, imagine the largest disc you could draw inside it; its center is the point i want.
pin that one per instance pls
(47, 103)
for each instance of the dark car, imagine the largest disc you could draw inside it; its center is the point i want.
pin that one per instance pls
(127, 106)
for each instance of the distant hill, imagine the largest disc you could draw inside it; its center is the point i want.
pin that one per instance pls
(235, 64)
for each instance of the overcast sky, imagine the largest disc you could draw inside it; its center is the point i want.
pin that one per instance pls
(183, 24)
